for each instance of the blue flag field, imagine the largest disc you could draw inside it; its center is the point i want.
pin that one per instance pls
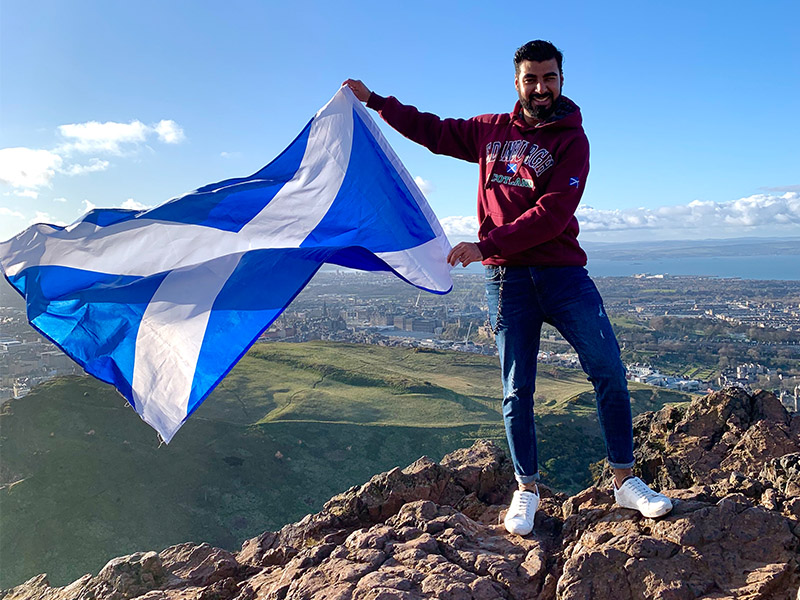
(162, 303)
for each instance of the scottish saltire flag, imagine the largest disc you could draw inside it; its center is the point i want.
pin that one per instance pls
(162, 303)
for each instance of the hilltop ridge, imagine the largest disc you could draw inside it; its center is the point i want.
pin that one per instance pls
(730, 460)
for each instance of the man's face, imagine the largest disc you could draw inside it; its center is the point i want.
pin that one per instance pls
(539, 86)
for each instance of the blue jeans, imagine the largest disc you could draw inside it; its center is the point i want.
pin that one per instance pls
(566, 298)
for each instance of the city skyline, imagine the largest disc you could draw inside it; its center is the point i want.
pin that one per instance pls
(714, 332)
(118, 105)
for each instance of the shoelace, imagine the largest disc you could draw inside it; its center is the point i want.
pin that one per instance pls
(640, 489)
(521, 503)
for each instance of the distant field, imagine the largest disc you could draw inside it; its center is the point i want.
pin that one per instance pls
(82, 478)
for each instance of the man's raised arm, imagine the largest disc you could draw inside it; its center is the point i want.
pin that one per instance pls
(458, 138)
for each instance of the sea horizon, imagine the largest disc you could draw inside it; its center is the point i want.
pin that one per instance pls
(767, 268)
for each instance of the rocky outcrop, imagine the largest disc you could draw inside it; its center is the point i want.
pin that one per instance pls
(432, 530)
(728, 442)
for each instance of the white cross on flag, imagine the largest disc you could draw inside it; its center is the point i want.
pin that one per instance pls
(162, 303)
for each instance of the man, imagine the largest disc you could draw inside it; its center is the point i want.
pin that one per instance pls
(533, 165)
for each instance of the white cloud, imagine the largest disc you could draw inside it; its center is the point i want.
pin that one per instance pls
(759, 210)
(169, 132)
(43, 217)
(93, 136)
(131, 204)
(27, 194)
(94, 165)
(7, 212)
(115, 138)
(424, 185)
(460, 227)
(59, 199)
(754, 211)
(31, 168)
(230, 154)
(28, 168)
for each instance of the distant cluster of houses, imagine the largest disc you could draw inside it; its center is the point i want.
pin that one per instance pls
(650, 376)
(743, 375)
(24, 364)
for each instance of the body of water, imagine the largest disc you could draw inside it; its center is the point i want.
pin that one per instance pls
(745, 267)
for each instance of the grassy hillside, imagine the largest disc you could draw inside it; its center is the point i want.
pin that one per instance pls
(83, 479)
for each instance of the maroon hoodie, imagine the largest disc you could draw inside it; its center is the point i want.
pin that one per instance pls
(531, 177)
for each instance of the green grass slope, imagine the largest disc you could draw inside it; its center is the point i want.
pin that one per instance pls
(83, 479)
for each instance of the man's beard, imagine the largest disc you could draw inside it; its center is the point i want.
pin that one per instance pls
(538, 112)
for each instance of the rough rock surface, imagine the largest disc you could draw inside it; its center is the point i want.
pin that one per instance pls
(729, 460)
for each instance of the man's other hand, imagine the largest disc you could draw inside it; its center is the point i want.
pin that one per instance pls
(464, 253)
(358, 88)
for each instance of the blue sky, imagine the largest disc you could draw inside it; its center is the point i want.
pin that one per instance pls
(690, 108)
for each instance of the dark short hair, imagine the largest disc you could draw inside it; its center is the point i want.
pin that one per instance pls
(538, 51)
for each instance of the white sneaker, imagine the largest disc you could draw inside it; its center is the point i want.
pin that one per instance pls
(635, 494)
(519, 518)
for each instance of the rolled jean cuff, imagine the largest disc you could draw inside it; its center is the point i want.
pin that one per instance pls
(523, 479)
(614, 465)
